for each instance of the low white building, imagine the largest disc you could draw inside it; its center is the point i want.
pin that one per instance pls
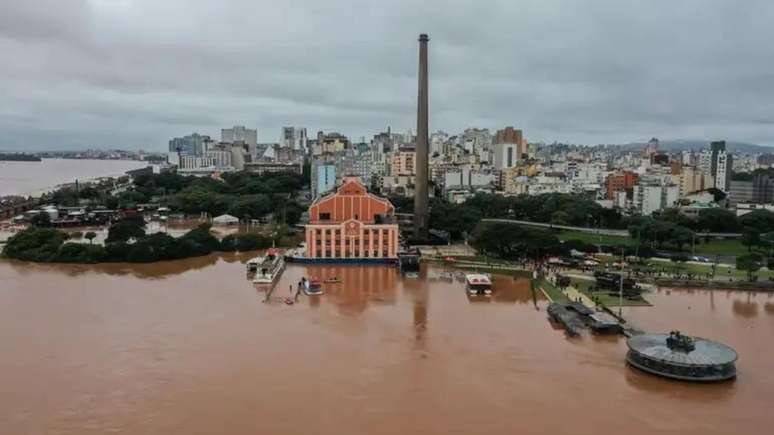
(465, 178)
(225, 219)
(649, 198)
(744, 208)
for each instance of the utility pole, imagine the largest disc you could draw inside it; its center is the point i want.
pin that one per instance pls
(637, 243)
(620, 286)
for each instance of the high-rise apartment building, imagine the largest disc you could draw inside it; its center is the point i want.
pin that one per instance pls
(692, 179)
(759, 190)
(403, 163)
(509, 146)
(323, 178)
(295, 138)
(240, 134)
(718, 163)
(193, 144)
(649, 198)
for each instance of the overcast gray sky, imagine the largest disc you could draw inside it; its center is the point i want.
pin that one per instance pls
(133, 73)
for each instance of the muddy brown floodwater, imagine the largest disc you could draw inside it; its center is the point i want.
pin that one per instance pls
(188, 347)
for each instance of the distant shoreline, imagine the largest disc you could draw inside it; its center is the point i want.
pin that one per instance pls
(19, 157)
(37, 189)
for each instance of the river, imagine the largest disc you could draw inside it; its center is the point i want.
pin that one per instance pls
(188, 347)
(35, 178)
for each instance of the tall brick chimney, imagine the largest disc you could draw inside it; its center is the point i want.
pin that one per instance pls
(421, 214)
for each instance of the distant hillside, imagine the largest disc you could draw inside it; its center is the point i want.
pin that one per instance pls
(694, 144)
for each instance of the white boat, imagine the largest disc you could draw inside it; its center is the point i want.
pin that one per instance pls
(268, 268)
(312, 287)
(477, 284)
(252, 264)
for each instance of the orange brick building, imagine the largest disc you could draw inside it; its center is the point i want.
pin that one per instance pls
(351, 224)
(620, 181)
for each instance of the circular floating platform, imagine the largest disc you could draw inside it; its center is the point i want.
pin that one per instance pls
(678, 356)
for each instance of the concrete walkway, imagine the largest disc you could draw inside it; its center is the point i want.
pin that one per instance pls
(574, 295)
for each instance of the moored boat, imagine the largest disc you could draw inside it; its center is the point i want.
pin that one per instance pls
(268, 268)
(477, 284)
(253, 263)
(312, 287)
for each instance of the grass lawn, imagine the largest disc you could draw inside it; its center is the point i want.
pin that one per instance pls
(721, 271)
(603, 297)
(595, 239)
(714, 247)
(554, 293)
(725, 247)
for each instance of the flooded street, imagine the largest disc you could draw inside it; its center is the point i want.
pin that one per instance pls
(188, 347)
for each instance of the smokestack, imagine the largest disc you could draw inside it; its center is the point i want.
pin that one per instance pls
(420, 192)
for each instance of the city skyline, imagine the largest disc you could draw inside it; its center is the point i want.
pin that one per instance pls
(81, 74)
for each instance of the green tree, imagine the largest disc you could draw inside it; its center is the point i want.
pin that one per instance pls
(244, 242)
(750, 263)
(717, 220)
(35, 244)
(126, 229)
(67, 197)
(80, 253)
(456, 219)
(402, 204)
(131, 198)
(89, 192)
(513, 242)
(760, 220)
(680, 236)
(40, 220)
(750, 238)
(201, 241)
(676, 217)
(251, 206)
(90, 236)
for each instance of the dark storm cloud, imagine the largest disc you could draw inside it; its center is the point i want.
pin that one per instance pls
(134, 73)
